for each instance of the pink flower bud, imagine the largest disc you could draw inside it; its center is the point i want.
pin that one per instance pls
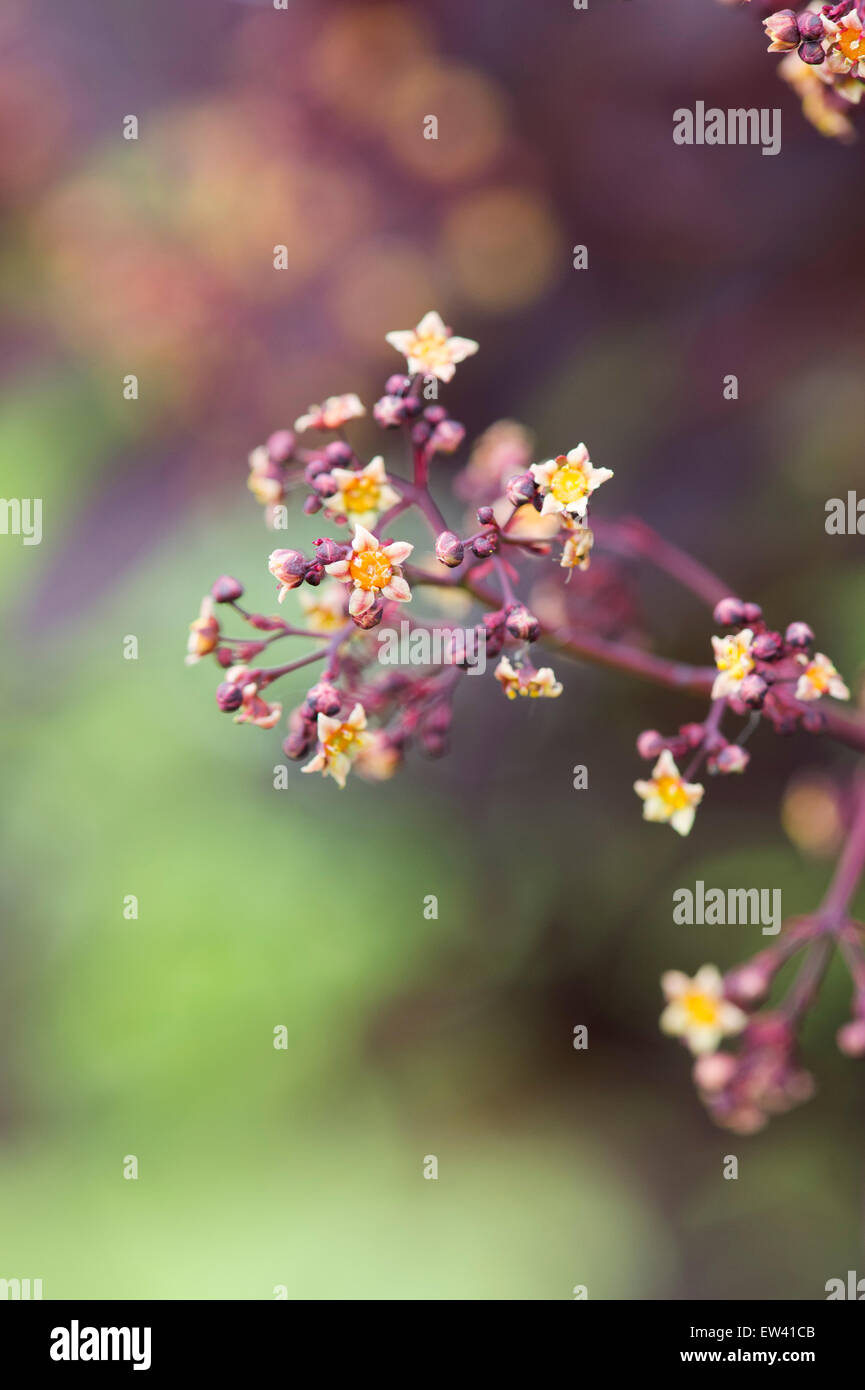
(767, 647)
(650, 743)
(389, 412)
(810, 26)
(449, 549)
(522, 625)
(693, 734)
(280, 446)
(799, 636)
(322, 698)
(371, 618)
(812, 52)
(753, 613)
(732, 758)
(288, 567)
(227, 590)
(729, 612)
(447, 437)
(782, 28)
(485, 545)
(229, 697)
(297, 744)
(714, 1071)
(752, 691)
(520, 488)
(328, 551)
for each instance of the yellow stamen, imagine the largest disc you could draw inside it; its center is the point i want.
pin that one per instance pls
(371, 569)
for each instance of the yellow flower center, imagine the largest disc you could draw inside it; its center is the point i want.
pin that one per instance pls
(371, 569)
(431, 349)
(818, 678)
(701, 1008)
(569, 483)
(672, 792)
(736, 660)
(361, 495)
(341, 739)
(852, 45)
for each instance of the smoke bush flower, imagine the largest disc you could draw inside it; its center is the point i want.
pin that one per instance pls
(667, 796)
(734, 662)
(537, 684)
(362, 494)
(373, 569)
(819, 678)
(431, 349)
(697, 1010)
(339, 743)
(332, 415)
(568, 481)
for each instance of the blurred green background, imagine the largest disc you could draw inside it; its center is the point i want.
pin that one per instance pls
(304, 908)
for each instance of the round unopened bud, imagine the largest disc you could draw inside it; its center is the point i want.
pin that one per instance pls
(329, 551)
(288, 567)
(650, 743)
(447, 437)
(521, 624)
(414, 407)
(371, 618)
(768, 646)
(799, 636)
(224, 657)
(313, 468)
(420, 433)
(280, 446)
(398, 384)
(747, 984)
(339, 454)
(322, 698)
(325, 485)
(486, 515)
(521, 488)
(851, 1038)
(226, 589)
(812, 52)
(247, 651)
(229, 697)
(494, 632)
(732, 758)
(314, 573)
(389, 412)
(311, 505)
(297, 744)
(435, 414)
(753, 612)
(752, 691)
(449, 549)
(485, 545)
(781, 27)
(729, 612)
(810, 26)
(714, 1071)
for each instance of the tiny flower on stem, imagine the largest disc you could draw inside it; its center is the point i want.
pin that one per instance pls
(697, 1010)
(203, 633)
(339, 743)
(254, 710)
(361, 495)
(373, 570)
(844, 44)
(668, 797)
(431, 349)
(819, 678)
(324, 608)
(734, 662)
(332, 414)
(576, 551)
(568, 481)
(537, 684)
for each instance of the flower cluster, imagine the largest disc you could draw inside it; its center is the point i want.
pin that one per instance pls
(760, 673)
(528, 521)
(358, 716)
(824, 61)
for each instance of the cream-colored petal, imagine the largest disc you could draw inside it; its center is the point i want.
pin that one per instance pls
(397, 590)
(675, 983)
(360, 602)
(682, 820)
(398, 552)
